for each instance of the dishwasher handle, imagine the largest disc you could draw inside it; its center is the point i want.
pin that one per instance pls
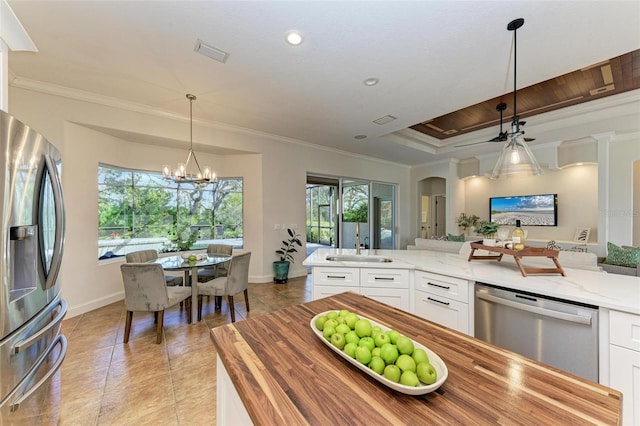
(580, 319)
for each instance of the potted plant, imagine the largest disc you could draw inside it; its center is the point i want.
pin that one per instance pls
(487, 230)
(281, 267)
(465, 222)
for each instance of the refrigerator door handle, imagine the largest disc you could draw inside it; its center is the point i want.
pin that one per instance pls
(60, 339)
(56, 187)
(24, 344)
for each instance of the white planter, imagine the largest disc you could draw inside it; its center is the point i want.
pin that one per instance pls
(491, 242)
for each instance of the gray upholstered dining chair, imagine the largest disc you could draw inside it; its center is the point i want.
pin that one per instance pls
(207, 274)
(235, 282)
(143, 256)
(145, 290)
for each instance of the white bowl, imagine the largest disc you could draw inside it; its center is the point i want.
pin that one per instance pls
(437, 362)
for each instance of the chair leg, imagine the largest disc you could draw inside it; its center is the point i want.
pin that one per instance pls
(199, 307)
(127, 326)
(246, 298)
(188, 306)
(155, 317)
(218, 303)
(232, 310)
(159, 327)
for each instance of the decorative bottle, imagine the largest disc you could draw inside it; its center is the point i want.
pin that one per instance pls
(517, 236)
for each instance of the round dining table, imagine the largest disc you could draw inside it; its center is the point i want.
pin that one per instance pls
(190, 268)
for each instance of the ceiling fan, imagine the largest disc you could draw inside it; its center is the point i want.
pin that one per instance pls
(502, 136)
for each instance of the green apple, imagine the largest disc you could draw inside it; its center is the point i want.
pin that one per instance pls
(427, 373)
(368, 342)
(375, 330)
(352, 337)
(337, 340)
(381, 338)
(363, 355)
(404, 344)
(341, 320)
(343, 328)
(351, 319)
(343, 312)
(389, 353)
(393, 335)
(332, 315)
(377, 364)
(328, 332)
(409, 378)
(330, 323)
(363, 327)
(350, 349)
(392, 372)
(419, 355)
(406, 363)
(320, 322)
(375, 351)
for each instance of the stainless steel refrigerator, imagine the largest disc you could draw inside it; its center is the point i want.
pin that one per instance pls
(32, 347)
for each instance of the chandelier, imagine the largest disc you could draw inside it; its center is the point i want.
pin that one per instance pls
(516, 157)
(190, 171)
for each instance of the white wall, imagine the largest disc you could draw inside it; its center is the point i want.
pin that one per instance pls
(274, 173)
(624, 150)
(577, 189)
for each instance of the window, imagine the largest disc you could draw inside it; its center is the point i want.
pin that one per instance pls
(140, 210)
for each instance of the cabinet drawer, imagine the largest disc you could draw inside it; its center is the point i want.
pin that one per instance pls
(320, 291)
(344, 277)
(441, 310)
(443, 285)
(624, 330)
(398, 298)
(384, 278)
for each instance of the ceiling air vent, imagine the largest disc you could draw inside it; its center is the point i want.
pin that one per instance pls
(210, 51)
(384, 120)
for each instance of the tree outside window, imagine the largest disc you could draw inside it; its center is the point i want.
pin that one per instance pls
(140, 210)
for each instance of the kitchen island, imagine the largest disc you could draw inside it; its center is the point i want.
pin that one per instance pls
(273, 369)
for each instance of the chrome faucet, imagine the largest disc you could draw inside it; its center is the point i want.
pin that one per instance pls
(357, 237)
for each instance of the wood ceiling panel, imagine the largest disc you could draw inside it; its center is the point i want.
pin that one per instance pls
(596, 81)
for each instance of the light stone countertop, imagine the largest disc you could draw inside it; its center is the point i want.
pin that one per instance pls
(618, 292)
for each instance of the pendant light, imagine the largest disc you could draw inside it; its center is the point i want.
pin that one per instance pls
(190, 171)
(516, 157)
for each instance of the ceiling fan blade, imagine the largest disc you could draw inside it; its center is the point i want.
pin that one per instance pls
(472, 143)
(529, 139)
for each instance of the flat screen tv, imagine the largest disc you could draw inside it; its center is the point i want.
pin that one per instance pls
(532, 210)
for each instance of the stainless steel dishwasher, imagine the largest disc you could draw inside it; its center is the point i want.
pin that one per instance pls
(560, 333)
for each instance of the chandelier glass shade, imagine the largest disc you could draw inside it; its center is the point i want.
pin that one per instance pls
(190, 171)
(516, 157)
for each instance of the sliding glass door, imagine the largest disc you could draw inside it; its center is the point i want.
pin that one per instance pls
(336, 207)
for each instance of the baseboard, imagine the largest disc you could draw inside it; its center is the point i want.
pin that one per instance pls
(73, 311)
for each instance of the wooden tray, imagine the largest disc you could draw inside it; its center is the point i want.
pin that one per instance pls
(518, 255)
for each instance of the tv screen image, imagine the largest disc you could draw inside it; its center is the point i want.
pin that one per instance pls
(532, 210)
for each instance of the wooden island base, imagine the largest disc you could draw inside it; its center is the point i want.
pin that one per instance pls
(274, 370)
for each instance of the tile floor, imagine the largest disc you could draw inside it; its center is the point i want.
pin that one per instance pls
(105, 382)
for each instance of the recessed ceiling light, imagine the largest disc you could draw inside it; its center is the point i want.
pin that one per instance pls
(294, 38)
(371, 81)
(360, 137)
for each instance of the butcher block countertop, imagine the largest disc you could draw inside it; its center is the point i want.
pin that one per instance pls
(285, 375)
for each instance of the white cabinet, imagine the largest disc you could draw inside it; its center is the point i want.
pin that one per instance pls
(328, 281)
(443, 299)
(390, 286)
(624, 362)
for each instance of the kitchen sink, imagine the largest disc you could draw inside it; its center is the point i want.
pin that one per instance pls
(358, 258)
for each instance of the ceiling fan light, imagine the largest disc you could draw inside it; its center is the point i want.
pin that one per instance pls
(516, 158)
